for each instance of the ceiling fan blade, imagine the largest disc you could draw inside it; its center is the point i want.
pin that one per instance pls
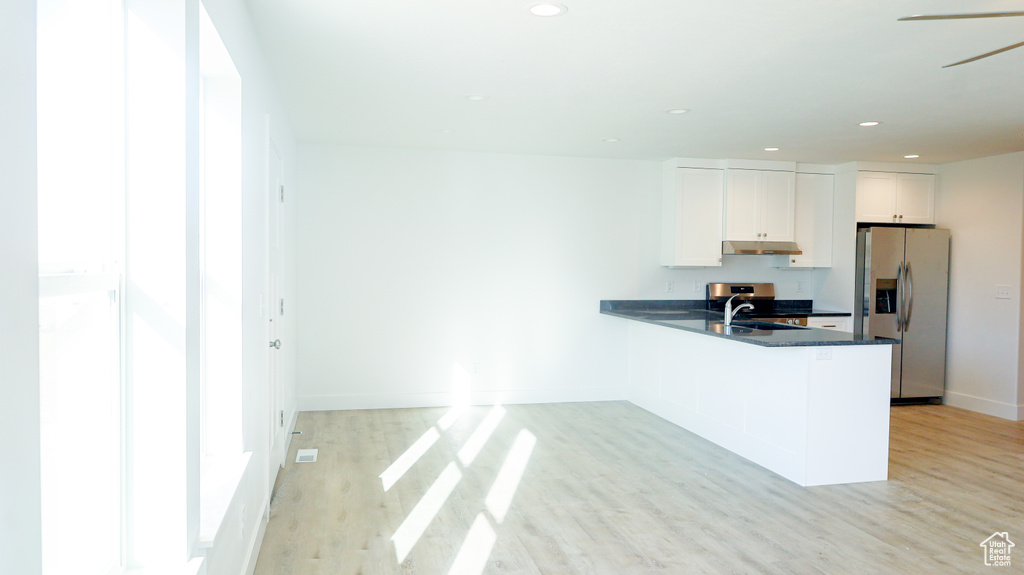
(960, 16)
(986, 55)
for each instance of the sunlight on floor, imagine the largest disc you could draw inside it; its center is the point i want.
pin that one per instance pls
(405, 461)
(476, 548)
(472, 556)
(476, 441)
(499, 498)
(410, 531)
(481, 538)
(451, 417)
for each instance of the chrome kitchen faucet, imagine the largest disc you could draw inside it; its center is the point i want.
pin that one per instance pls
(729, 312)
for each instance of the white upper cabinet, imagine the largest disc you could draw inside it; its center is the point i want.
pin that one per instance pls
(813, 226)
(895, 198)
(915, 198)
(692, 216)
(759, 205)
(876, 197)
(778, 205)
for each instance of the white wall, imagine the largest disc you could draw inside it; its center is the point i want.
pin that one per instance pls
(20, 521)
(982, 203)
(413, 262)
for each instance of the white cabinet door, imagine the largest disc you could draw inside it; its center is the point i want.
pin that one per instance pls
(838, 323)
(876, 197)
(759, 206)
(777, 202)
(813, 225)
(692, 218)
(915, 198)
(895, 198)
(742, 204)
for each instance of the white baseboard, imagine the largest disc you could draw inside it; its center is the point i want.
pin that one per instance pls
(986, 406)
(257, 542)
(403, 400)
(288, 438)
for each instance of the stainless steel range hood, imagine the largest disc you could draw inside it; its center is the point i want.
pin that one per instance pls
(760, 248)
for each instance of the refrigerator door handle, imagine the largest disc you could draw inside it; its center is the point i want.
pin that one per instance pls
(900, 293)
(909, 304)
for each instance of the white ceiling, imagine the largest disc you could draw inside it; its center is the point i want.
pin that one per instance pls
(796, 74)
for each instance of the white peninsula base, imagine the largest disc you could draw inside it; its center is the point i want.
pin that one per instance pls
(816, 415)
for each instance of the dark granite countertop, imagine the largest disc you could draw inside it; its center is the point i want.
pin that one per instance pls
(782, 307)
(691, 315)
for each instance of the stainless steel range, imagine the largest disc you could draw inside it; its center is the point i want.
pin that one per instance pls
(760, 295)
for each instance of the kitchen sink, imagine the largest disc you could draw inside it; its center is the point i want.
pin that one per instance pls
(765, 325)
(748, 327)
(667, 315)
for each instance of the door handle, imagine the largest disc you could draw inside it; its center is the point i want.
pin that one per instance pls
(909, 304)
(899, 298)
(276, 344)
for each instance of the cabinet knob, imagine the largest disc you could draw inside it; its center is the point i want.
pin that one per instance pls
(901, 217)
(894, 216)
(794, 261)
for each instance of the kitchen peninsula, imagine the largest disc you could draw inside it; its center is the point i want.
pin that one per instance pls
(809, 404)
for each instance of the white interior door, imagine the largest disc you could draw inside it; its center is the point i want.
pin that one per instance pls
(275, 308)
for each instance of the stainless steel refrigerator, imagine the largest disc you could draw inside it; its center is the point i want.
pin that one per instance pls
(903, 287)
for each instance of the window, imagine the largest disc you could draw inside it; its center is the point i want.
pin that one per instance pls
(81, 210)
(220, 273)
(220, 258)
(134, 206)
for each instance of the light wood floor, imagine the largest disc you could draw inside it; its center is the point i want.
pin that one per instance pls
(610, 488)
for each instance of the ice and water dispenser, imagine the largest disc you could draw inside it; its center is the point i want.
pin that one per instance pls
(885, 296)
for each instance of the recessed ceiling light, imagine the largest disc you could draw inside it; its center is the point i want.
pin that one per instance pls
(475, 97)
(548, 9)
(869, 124)
(611, 140)
(771, 149)
(677, 111)
(912, 156)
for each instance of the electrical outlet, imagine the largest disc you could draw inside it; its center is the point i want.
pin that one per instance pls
(668, 286)
(1002, 292)
(823, 353)
(475, 368)
(696, 286)
(799, 287)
